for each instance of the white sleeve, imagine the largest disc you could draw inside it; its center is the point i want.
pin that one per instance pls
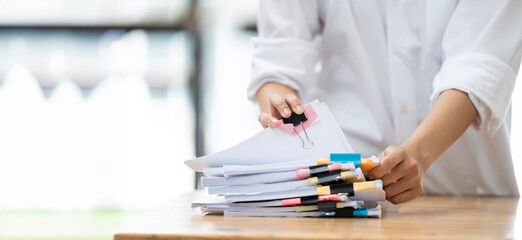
(287, 48)
(482, 47)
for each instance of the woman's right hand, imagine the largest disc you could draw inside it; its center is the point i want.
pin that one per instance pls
(277, 101)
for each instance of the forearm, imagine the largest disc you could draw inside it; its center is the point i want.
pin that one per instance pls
(263, 95)
(450, 116)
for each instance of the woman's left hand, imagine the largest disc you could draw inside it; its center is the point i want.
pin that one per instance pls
(401, 174)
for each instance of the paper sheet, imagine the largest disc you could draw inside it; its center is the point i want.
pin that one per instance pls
(274, 145)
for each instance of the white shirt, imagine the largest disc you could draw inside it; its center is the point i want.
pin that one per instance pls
(380, 65)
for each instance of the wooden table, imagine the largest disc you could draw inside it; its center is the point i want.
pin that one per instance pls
(427, 217)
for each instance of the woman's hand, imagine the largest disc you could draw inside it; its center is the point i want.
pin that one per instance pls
(277, 101)
(401, 174)
(401, 168)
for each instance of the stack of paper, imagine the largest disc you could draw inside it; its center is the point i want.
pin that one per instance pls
(289, 172)
(332, 186)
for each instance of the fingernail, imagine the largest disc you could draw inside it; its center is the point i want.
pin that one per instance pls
(274, 121)
(299, 108)
(286, 111)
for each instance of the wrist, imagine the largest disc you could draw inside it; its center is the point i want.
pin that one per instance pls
(415, 150)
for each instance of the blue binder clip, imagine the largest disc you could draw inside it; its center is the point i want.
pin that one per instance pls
(346, 158)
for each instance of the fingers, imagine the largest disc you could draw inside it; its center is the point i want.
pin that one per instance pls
(407, 195)
(402, 185)
(279, 104)
(391, 157)
(406, 167)
(268, 121)
(395, 174)
(294, 103)
(381, 156)
(280, 108)
(400, 174)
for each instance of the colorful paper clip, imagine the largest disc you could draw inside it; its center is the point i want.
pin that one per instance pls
(296, 120)
(366, 164)
(326, 206)
(331, 177)
(346, 212)
(313, 199)
(348, 188)
(312, 171)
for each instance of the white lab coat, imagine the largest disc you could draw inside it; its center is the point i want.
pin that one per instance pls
(380, 65)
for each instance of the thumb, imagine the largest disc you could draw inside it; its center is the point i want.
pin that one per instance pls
(388, 160)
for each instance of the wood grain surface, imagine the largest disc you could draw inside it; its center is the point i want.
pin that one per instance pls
(427, 217)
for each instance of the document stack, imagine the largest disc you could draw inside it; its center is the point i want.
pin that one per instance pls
(325, 187)
(304, 168)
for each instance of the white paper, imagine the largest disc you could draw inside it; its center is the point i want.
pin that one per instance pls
(273, 145)
(233, 170)
(219, 206)
(301, 192)
(272, 214)
(346, 204)
(214, 172)
(361, 195)
(372, 212)
(208, 200)
(270, 177)
(258, 188)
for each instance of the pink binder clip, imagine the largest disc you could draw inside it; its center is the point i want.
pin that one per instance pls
(305, 120)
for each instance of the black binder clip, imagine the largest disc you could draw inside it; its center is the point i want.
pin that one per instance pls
(342, 188)
(327, 206)
(312, 200)
(318, 169)
(329, 177)
(296, 119)
(341, 213)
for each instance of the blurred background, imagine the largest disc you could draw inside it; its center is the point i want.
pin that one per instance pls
(101, 101)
